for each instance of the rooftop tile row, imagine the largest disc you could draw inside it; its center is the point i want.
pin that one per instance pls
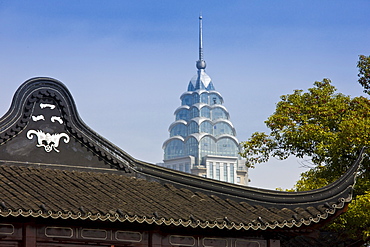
(45, 192)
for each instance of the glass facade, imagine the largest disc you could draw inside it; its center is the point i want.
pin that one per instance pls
(207, 146)
(203, 124)
(202, 133)
(227, 147)
(204, 98)
(174, 149)
(210, 169)
(232, 173)
(225, 172)
(222, 128)
(206, 127)
(193, 128)
(179, 130)
(194, 112)
(187, 167)
(217, 171)
(218, 113)
(187, 100)
(182, 114)
(205, 112)
(191, 147)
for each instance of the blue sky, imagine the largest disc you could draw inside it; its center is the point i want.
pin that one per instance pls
(127, 62)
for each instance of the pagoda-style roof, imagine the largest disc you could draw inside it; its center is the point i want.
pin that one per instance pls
(53, 166)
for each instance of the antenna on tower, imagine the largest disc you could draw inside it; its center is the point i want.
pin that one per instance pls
(201, 64)
(200, 38)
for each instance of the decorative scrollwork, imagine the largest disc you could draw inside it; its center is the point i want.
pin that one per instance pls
(48, 141)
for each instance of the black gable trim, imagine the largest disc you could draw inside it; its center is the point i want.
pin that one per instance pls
(43, 126)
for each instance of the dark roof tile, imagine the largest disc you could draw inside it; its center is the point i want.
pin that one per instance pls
(69, 194)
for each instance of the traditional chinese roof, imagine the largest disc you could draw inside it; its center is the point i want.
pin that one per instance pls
(52, 165)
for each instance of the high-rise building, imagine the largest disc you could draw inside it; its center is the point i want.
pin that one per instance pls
(203, 139)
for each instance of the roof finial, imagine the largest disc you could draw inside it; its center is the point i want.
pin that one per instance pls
(201, 64)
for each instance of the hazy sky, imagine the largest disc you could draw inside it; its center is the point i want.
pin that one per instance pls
(127, 62)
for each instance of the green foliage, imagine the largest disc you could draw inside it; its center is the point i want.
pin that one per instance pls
(311, 180)
(286, 190)
(329, 128)
(363, 66)
(355, 223)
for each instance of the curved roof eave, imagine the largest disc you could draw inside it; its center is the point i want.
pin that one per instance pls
(230, 207)
(171, 139)
(204, 119)
(200, 91)
(208, 135)
(200, 136)
(197, 136)
(199, 120)
(220, 106)
(186, 107)
(335, 194)
(180, 121)
(223, 136)
(218, 93)
(186, 93)
(211, 107)
(199, 105)
(221, 120)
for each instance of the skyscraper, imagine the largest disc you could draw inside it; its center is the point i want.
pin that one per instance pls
(202, 139)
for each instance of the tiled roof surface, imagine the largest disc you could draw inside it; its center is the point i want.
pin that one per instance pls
(107, 184)
(54, 193)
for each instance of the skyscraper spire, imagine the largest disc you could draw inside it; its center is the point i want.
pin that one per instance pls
(202, 138)
(201, 64)
(200, 38)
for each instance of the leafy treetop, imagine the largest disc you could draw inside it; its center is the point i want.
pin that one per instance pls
(329, 128)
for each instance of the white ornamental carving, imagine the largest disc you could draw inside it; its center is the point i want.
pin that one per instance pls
(58, 119)
(38, 118)
(46, 140)
(42, 106)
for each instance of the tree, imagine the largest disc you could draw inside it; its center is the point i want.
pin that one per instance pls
(329, 128)
(363, 66)
(355, 223)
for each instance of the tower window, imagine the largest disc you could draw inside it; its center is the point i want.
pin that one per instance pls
(187, 167)
(217, 170)
(225, 172)
(211, 169)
